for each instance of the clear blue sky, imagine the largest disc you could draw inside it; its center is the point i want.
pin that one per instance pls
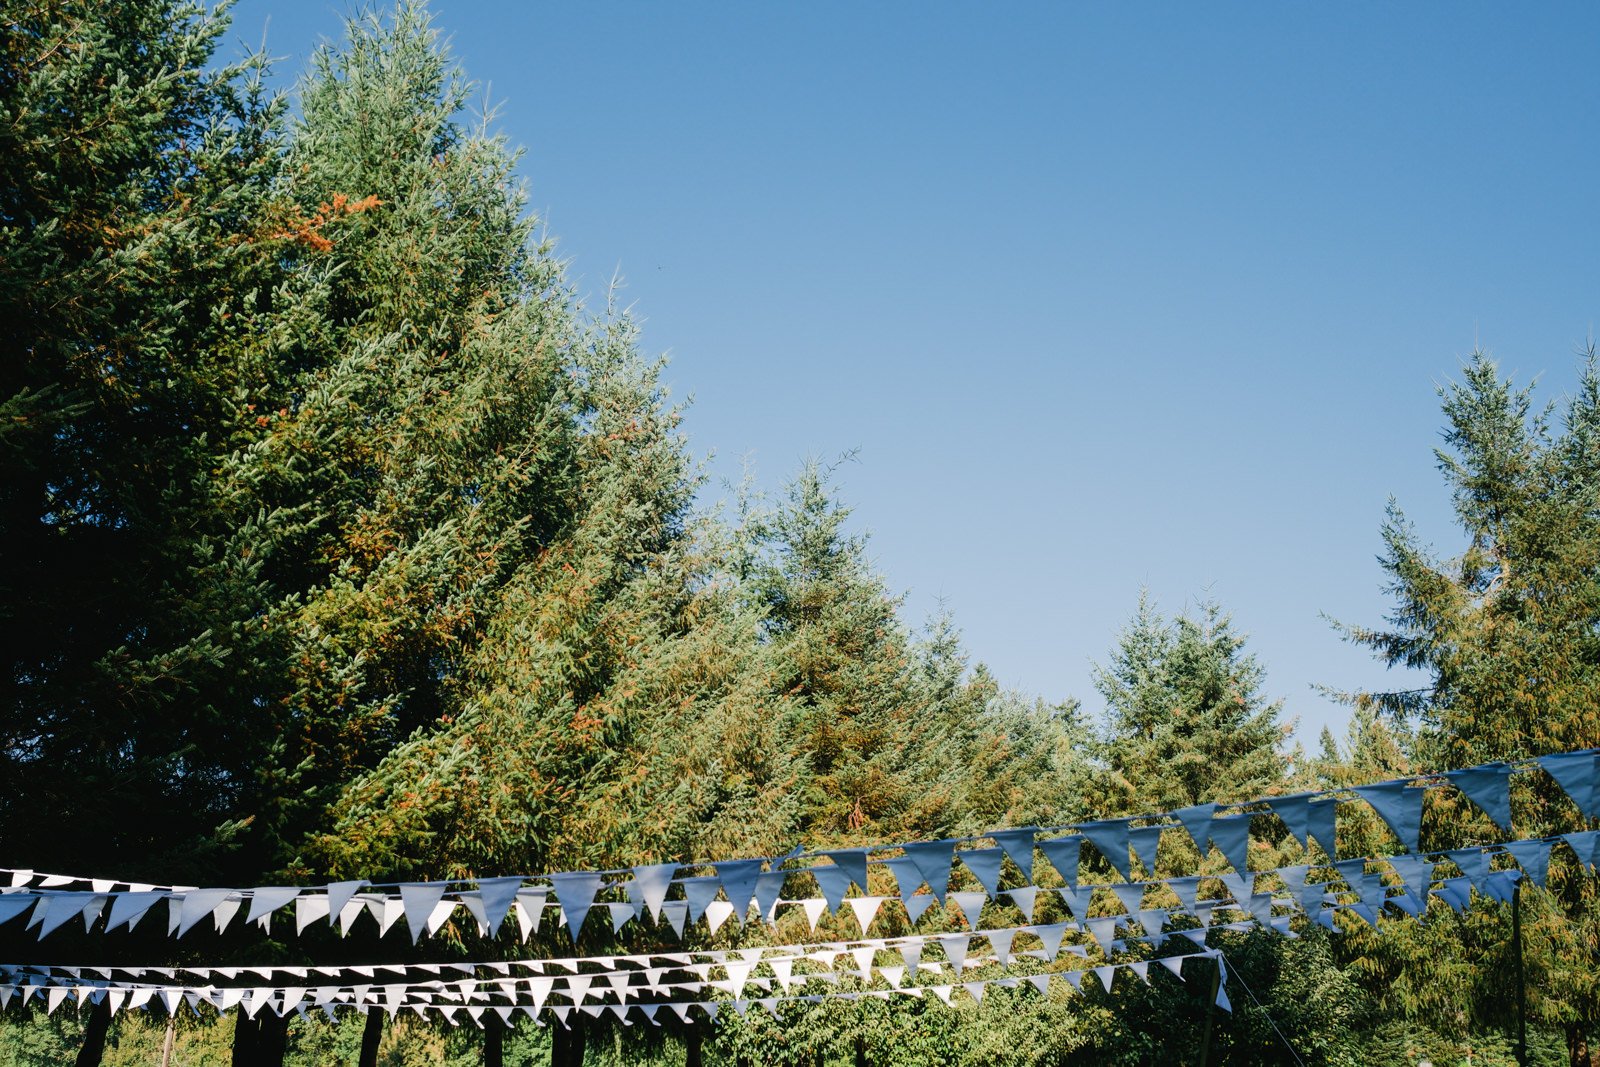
(1107, 296)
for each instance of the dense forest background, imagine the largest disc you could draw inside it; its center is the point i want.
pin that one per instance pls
(340, 538)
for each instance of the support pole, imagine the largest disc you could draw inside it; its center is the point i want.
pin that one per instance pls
(167, 1042)
(1522, 983)
(1211, 1014)
(494, 1044)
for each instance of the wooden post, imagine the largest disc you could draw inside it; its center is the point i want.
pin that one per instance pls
(1211, 1014)
(1522, 987)
(167, 1042)
(692, 1040)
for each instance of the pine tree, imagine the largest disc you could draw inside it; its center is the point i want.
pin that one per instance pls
(1509, 636)
(134, 185)
(1185, 719)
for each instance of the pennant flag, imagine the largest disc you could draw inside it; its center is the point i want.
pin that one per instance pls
(1077, 898)
(1000, 942)
(813, 910)
(1294, 878)
(1104, 931)
(1131, 895)
(497, 895)
(529, 907)
(308, 908)
(833, 881)
(1196, 821)
(1241, 886)
(769, 889)
(1294, 811)
(866, 909)
(1063, 852)
(1231, 835)
(932, 860)
(984, 863)
(717, 913)
(853, 861)
(911, 955)
(1110, 838)
(339, 894)
(917, 905)
(699, 892)
(1456, 892)
(975, 990)
(1187, 889)
(1321, 820)
(1532, 856)
(1154, 921)
(955, 949)
(621, 915)
(1173, 964)
(649, 885)
(970, 903)
(1474, 864)
(739, 883)
(1018, 844)
(264, 900)
(1489, 787)
(197, 906)
(1416, 873)
(125, 907)
(1574, 773)
(1582, 844)
(1106, 973)
(1145, 842)
(418, 900)
(1050, 939)
(906, 878)
(1024, 897)
(1260, 907)
(676, 912)
(1399, 806)
(56, 909)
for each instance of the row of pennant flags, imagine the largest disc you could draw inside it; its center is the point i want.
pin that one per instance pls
(541, 997)
(681, 983)
(675, 899)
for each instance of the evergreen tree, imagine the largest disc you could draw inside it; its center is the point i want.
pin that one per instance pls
(1509, 632)
(1185, 719)
(134, 252)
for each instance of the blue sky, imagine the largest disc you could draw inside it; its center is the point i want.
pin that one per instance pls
(1107, 297)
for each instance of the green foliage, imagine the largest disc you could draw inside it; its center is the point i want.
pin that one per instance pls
(1185, 718)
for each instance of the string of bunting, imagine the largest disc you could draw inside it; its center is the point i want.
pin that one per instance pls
(426, 906)
(53, 908)
(510, 996)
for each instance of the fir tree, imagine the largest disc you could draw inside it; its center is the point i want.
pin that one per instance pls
(1185, 719)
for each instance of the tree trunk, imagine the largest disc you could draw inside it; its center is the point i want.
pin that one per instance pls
(94, 1034)
(861, 1052)
(494, 1038)
(692, 1039)
(274, 1039)
(1577, 1046)
(246, 1036)
(370, 1036)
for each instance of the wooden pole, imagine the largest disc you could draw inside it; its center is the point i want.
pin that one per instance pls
(1522, 987)
(167, 1042)
(1211, 1014)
